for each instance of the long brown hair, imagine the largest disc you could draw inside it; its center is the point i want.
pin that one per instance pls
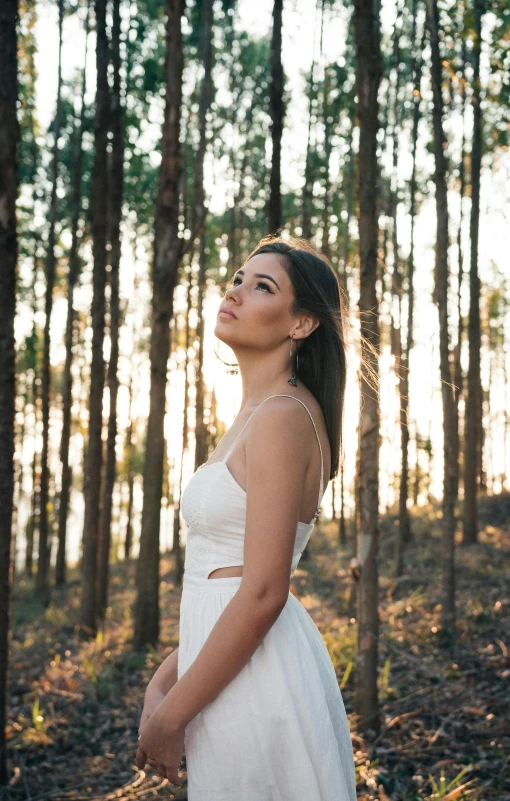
(322, 354)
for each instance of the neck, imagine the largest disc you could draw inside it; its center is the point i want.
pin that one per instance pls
(263, 374)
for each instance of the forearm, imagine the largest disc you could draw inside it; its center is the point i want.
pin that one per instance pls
(236, 635)
(166, 675)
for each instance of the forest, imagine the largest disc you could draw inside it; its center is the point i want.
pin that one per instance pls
(146, 146)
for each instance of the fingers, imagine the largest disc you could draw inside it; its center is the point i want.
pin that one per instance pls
(141, 758)
(165, 771)
(161, 769)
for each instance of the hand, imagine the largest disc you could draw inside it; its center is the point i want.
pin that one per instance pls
(161, 746)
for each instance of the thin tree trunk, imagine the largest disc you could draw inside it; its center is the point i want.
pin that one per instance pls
(43, 563)
(404, 533)
(368, 76)
(276, 111)
(176, 544)
(32, 522)
(198, 219)
(458, 380)
(8, 283)
(474, 387)
(450, 481)
(306, 219)
(67, 380)
(342, 534)
(167, 255)
(349, 193)
(94, 458)
(327, 145)
(115, 197)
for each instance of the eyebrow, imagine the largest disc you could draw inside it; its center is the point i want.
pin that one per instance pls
(258, 275)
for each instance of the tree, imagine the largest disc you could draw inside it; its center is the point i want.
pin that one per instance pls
(404, 526)
(8, 282)
(166, 259)
(44, 550)
(115, 196)
(450, 476)
(72, 279)
(474, 386)
(276, 112)
(93, 463)
(368, 76)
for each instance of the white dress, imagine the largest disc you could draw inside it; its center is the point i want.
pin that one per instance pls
(278, 731)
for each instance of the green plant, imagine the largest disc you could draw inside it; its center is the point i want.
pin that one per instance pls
(347, 673)
(448, 791)
(37, 716)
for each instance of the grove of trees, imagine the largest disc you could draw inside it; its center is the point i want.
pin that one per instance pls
(126, 214)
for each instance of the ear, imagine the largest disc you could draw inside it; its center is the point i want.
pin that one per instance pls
(308, 325)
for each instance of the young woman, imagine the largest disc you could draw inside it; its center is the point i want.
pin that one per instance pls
(251, 694)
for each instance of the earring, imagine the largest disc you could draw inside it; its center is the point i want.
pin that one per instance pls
(292, 381)
(234, 368)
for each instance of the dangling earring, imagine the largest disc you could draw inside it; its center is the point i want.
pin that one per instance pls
(292, 381)
(234, 368)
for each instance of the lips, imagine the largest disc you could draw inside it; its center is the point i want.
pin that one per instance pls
(227, 311)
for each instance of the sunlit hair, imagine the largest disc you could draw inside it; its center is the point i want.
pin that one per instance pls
(322, 354)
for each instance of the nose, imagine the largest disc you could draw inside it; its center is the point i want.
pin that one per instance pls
(228, 291)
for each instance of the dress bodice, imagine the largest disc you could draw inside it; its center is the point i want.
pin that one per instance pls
(213, 506)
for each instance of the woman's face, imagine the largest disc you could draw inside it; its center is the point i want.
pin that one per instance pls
(260, 295)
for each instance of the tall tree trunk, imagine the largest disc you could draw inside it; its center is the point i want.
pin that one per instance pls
(458, 377)
(450, 481)
(115, 197)
(404, 532)
(176, 544)
(307, 196)
(368, 76)
(327, 127)
(348, 178)
(41, 584)
(199, 213)
(276, 111)
(8, 284)
(93, 463)
(474, 387)
(32, 522)
(128, 541)
(67, 380)
(167, 255)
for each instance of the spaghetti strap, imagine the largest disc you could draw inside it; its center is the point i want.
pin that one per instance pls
(284, 395)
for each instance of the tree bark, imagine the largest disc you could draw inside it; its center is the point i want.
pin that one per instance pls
(94, 458)
(368, 76)
(450, 480)
(199, 214)
(458, 376)
(115, 198)
(41, 584)
(276, 111)
(167, 254)
(67, 380)
(404, 533)
(8, 283)
(474, 386)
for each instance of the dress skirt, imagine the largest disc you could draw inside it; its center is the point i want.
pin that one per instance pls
(278, 731)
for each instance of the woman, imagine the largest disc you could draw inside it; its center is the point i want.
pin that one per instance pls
(251, 694)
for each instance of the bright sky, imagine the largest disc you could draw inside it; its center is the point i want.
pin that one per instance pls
(299, 17)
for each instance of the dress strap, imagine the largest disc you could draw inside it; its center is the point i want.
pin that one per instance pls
(284, 395)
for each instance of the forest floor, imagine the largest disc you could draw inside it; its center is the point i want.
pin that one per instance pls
(74, 706)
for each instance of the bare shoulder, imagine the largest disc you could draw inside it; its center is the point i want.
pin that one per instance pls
(283, 417)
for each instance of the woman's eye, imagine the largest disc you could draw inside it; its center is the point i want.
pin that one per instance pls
(260, 283)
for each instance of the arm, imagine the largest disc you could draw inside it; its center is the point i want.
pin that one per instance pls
(165, 676)
(276, 464)
(161, 683)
